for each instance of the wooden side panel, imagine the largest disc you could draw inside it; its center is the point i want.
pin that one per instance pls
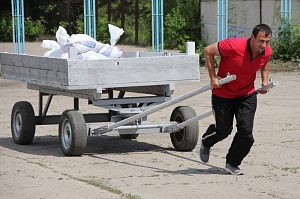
(34, 69)
(140, 71)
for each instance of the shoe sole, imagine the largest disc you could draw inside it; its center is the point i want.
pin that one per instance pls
(236, 174)
(203, 161)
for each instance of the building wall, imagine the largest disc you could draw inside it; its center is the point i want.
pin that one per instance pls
(243, 16)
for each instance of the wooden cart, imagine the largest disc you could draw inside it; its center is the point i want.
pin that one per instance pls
(153, 75)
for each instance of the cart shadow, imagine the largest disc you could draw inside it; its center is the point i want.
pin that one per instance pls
(188, 171)
(116, 144)
(41, 145)
(49, 146)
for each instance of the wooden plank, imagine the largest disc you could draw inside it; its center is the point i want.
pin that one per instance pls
(165, 90)
(34, 69)
(151, 54)
(89, 94)
(31, 75)
(31, 61)
(132, 54)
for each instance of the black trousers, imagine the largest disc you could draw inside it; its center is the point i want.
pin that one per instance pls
(225, 109)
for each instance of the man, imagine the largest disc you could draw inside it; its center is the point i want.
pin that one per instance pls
(242, 57)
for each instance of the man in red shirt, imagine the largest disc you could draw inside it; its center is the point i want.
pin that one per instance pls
(242, 57)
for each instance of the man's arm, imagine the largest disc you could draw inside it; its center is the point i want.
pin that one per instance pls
(264, 76)
(209, 54)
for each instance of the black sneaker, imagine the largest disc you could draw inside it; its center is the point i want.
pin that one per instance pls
(204, 153)
(233, 170)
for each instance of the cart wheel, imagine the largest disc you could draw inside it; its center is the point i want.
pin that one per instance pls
(72, 133)
(22, 123)
(186, 139)
(129, 136)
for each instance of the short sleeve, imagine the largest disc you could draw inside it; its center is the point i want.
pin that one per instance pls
(226, 47)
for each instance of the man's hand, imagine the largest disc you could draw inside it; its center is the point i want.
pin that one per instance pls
(214, 82)
(263, 91)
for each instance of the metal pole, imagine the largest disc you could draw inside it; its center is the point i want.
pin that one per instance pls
(222, 22)
(226, 19)
(163, 105)
(152, 10)
(286, 10)
(157, 26)
(260, 11)
(272, 84)
(89, 18)
(94, 20)
(13, 23)
(189, 121)
(162, 25)
(218, 20)
(18, 26)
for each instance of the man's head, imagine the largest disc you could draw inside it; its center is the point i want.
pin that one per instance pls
(262, 27)
(260, 38)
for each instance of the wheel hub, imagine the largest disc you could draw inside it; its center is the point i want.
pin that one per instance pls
(67, 135)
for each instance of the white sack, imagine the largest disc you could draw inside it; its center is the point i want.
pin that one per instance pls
(50, 44)
(58, 53)
(111, 51)
(115, 34)
(91, 55)
(82, 42)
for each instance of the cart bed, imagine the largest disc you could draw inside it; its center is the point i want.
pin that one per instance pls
(110, 73)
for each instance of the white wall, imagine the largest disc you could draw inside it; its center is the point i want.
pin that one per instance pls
(243, 16)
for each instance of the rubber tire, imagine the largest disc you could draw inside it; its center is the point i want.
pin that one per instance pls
(185, 139)
(129, 136)
(72, 133)
(22, 123)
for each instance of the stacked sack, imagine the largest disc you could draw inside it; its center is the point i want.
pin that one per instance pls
(87, 47)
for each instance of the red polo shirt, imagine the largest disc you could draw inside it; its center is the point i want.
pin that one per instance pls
(236, 59)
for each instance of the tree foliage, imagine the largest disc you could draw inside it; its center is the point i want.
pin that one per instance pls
(181, 20)
(5, 26)
(182, 23)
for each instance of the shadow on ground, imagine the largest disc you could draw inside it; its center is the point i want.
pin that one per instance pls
(49, 145)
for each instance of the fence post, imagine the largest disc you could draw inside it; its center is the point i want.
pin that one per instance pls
(222, 19)
(286, 11)
(157, 26)
(90, 18)
(17, 7)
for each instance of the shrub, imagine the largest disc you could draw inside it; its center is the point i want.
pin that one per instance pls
(286, 46)
(33, 29)
(6, 27)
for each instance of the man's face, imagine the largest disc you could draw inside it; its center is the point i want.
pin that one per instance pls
(260, 42)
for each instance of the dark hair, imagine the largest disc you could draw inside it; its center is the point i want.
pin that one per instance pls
(262, 27)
